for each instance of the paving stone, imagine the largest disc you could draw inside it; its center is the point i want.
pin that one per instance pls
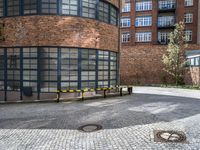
(128, 123)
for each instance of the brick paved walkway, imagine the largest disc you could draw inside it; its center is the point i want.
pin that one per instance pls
(128, 122)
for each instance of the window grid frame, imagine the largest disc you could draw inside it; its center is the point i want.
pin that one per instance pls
(59, 11)
(143, 36)
(188, 18)
(143, 21)
(126, 37)
(13, 6)
(125, 22)
(39, 69)
(144, 6)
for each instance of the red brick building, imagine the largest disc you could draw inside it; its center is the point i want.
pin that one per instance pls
(145, 27)
(50, 45)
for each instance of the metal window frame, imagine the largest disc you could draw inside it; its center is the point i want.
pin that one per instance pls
(70, 70)
(19, 5)
(79, 81)
(59, 10)
(88, 70)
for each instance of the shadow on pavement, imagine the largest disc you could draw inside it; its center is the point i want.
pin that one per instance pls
(118, 112)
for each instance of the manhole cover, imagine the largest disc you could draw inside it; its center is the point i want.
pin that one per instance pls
(90, 128)
(169, 136)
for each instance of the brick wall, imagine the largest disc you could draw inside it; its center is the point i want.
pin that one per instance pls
(59, 31)
(114, 2)
(192, 75)
(179, 15)
(181, 10)
(142, 64)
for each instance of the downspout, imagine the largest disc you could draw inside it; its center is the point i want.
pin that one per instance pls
(119, 43)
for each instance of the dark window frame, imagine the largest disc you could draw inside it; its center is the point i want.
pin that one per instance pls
(30, 4)
(20, 81)
(49, 7)
(13, 7)
(112, 19)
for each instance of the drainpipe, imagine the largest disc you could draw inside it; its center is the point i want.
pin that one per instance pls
(119, 42)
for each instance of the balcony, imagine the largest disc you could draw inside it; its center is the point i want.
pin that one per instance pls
(166, 22)
(167, 6)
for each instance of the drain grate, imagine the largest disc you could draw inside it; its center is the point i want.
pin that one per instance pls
(169, 136)
(90, 128)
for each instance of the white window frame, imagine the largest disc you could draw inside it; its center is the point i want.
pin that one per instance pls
(163, 37)
(188, 2)
(127, 7)
(188, 17)
(188, 35)
(126, 37)
(143, 36)
(143, 21)
(125, 22)
(144, 6)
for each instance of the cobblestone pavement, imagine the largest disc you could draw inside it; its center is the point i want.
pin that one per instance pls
(128, 122)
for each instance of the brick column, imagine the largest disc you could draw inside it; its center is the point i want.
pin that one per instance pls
(133, 16)
(154, 22)
(179, 10)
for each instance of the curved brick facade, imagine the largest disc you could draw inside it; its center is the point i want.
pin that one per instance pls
(40, 54)
(59, 31)
(114, 2)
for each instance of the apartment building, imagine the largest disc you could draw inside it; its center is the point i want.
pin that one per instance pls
(145, 28)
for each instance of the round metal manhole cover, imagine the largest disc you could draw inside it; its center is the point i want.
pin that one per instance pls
(171, 136)
(90, 128)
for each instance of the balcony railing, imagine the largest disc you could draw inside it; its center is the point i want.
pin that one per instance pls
(166, 22)
(167, 5)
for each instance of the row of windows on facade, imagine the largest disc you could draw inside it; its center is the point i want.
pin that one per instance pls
(163, 21)
(86, 8)
(163, 37)
(78, 68)
(147, 5)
